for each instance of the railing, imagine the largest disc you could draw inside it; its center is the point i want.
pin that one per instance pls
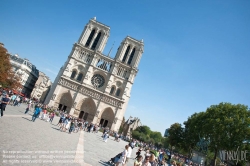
(83, 55)
(90, 92)
(122, 71)
(104, 64)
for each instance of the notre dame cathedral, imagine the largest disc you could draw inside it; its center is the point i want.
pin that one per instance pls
(93, 86)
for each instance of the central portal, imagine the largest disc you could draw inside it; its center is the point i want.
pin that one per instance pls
(87, 110)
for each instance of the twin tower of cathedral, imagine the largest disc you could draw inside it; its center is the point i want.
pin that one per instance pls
(92, 86)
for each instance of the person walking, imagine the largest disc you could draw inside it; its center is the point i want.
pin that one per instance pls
(28, 107)
(52, 117)
(122, 159)
(5, 100)
(38, 109)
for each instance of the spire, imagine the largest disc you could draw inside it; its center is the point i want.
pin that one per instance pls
(111, 49)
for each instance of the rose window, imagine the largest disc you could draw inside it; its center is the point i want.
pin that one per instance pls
(98, 80)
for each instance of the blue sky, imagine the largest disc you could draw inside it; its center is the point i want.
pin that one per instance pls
(196, 54)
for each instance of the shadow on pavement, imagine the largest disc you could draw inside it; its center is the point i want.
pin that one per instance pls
(55, 128)
(104, 163)
(27, 119)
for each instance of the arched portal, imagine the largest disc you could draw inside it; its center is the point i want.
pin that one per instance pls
(65, 102)
(88, 109)
(107, 117)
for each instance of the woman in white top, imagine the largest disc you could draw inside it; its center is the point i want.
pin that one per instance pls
(123, 157)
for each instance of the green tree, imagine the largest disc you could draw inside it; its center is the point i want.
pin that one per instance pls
(226, 126)
(175, 135)
(191, 133)
(156, 136)
(144, 129)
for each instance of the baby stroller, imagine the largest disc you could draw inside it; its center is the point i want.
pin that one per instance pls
(115, 159)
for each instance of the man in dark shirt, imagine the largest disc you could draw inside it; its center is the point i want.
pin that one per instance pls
(4, 102)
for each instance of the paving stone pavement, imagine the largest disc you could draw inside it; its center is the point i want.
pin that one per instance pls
(41, 143)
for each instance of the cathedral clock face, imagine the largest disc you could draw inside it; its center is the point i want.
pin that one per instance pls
(98, 80)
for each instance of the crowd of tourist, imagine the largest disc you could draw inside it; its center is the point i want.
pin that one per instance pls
(152, 155)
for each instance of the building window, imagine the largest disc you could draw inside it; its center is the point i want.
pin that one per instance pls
(118, 92)
(112, 90)
(90, 38)
(96, 41)
(73, 74)
(79, 77)
(131, 57)
(126, 54)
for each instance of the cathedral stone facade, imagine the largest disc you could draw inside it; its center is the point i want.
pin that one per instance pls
(93, 86)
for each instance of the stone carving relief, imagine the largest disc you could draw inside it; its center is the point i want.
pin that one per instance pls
(53, 97)
(68, 84)
(91, 93)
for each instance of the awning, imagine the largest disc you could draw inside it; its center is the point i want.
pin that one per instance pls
(15, 92)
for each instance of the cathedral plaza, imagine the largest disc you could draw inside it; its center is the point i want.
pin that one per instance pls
(26, 143)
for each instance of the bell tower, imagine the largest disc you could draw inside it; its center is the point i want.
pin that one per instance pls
(130, 52)
(94, 36)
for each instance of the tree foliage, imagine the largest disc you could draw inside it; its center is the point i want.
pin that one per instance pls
(223, 127)
(144, 134)
(8, 79)
(226, 126)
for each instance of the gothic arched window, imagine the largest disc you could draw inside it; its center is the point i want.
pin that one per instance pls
(73, 74)
(90, 38)
(112, 90)
(79, 77)
(118, 92)
(126, 54)
(131, 56)
(96, 41)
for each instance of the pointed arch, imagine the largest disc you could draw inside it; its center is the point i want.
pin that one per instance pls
(96, 41)
(131, 56)
(118, 92)
(126, 54)
(88, 106)
(107, 117)
(90, 38)
(73, 74)
(79, 77)
(65, 102)
(112, 90)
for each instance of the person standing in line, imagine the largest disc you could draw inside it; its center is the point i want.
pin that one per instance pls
(5, 100)
(36, 113)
